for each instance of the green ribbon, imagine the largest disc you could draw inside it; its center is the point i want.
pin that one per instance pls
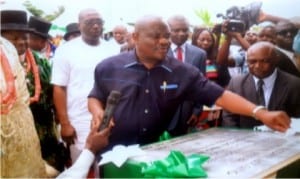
(165, 136)
(176, 165)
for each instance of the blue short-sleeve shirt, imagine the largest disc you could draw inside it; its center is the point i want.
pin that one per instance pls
(149, 97)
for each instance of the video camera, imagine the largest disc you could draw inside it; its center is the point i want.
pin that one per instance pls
(241, 18)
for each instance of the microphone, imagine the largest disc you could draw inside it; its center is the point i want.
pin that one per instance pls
(112, 101)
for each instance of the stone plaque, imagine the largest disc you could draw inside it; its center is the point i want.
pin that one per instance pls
(233, 153)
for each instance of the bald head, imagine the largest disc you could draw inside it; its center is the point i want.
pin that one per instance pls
(120, 28)
(262, 59)
(179, 27)
(119, 33)
(90, 26)
(177, 18)
(265, 47)
(145, 22)
(86, 13)
(151, 38)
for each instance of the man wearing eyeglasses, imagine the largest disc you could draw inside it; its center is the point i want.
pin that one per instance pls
(279, 90)
(72, 76)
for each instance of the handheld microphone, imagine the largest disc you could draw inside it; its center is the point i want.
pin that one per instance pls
(112, 101)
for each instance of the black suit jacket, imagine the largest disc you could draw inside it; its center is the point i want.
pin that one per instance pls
(193, 55)
(285, 96)
(197, 57)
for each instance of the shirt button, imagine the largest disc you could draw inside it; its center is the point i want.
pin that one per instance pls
(146, 91)
(146, 111)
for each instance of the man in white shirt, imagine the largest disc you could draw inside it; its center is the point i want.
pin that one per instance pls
(72, 76)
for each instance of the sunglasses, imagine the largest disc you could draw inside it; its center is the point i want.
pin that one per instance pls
(287, 31)
(91, 22)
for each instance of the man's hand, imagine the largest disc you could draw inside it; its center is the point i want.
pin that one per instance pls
(97, 119)
(96, 108)
(68, 133)
(276, 120)
(97, 140)
(261, 16)
(193, 120)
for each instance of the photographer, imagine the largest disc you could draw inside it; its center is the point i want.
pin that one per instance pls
(226, 57)
(238, 20)
(236, 59)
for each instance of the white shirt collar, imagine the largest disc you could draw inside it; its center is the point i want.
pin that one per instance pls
(268, 81)
(174, 47)
(268, 86)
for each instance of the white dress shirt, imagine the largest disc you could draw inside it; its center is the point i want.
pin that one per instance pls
(268, 86)
(174, 50)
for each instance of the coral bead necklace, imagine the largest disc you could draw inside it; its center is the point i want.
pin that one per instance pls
(31, 66)
(7, 99)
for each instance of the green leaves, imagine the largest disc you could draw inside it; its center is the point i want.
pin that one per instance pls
(205, 16)
(40, 13)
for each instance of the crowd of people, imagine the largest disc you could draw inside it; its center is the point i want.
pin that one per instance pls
(53, 98)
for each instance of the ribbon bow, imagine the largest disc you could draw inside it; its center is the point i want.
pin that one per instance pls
(176, 165)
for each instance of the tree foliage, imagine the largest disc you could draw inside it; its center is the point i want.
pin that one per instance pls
(41, 14)
(205, 16)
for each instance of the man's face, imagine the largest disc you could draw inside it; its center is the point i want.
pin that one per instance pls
(285, 36)
(260, 62)
(91, 25)
(251, 37)
(179, 32)
(36, 42)
(267, 34)
(18, 38)
(152, 43)
(120, 35)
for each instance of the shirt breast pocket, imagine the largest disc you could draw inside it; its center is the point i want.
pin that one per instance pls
(169, 92)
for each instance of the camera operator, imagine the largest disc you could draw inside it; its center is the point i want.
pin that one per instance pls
(237, 21)
(227, 57)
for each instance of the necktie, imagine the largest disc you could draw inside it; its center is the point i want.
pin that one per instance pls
(260, 92)
(179, 53)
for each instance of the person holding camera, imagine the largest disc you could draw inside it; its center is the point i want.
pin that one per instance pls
(238, 59)
(240, 19)
(226, 56)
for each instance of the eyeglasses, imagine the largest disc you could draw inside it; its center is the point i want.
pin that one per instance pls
(91, 22)
(286, 31)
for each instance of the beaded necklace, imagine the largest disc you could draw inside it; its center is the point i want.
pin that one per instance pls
(7, 99)
(31, 66)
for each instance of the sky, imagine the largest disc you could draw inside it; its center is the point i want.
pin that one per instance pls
(116, 12)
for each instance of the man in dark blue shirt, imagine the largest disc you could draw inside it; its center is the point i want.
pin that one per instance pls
(153, 85)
